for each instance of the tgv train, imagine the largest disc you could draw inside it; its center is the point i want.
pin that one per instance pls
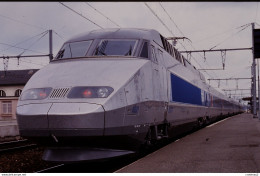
(110, 91)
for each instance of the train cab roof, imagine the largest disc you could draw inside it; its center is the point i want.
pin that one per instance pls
(127, 33)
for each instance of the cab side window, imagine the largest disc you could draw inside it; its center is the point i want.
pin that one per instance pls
(144, 52)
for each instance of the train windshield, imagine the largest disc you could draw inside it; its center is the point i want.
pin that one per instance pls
(115, 47)
(74, 49)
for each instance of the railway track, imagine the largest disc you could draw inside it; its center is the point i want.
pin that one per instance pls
(13, 142)
(105, 166)
(15, 145)
(52, 169)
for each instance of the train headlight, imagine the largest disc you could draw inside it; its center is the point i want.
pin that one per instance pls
(90, 92)
(36, 94)
(103, 92)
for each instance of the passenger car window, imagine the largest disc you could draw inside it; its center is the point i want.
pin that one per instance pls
(115, 47)
(144, 52)
(74, 49)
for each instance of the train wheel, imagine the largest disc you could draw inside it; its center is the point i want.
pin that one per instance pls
(208, 121)
(200, 122)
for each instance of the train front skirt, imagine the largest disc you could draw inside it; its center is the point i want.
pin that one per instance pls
(81, 154)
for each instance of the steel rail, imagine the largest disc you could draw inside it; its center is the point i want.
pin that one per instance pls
(17, 148)
(50, 168)
(12, 142)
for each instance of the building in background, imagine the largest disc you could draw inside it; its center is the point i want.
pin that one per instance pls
(11, 86)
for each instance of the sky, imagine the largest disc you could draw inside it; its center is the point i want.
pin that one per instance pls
(218, 25)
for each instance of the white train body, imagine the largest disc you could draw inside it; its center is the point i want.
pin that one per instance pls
(102, 93)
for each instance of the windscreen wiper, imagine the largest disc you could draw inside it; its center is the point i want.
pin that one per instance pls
(60, 54)
(129, 52)
(98, 51)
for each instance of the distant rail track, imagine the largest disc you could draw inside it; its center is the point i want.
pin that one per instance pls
(52, 169)
(106, 166)
(15, 145)
(12, 142)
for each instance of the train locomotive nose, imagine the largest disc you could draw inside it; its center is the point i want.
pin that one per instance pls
(61, 119)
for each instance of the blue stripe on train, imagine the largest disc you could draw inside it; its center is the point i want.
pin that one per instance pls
(183, 91)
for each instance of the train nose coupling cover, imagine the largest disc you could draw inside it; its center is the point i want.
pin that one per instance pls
(81, 154)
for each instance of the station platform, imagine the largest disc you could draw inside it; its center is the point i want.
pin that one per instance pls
(8, 130)
(228, 146)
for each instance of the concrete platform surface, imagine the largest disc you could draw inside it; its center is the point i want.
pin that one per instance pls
(229, 146)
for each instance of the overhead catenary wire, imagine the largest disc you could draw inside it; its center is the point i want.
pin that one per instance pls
(220, 33)
(1, 43)
(81, 15)
(158, 18)
(31, 62)
(24, 63)
(173, 34)
(171, 18)
(58, 34)
(12, 19)
(226, 49)
(28, 24)
(103, 14)
(256, 12)
(34, 63)
(238, 71)
(154, 13)
(22, 42)
(17, 56)
(28, 48)
(257, 24)
(34, 43)
(245, 26)
(230, 36)
(6, 58)
(169, 30)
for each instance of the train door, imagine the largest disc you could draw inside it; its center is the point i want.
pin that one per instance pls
(155, 74)
(164, 82)
(205, 102)
(208, 103)
(159, 83)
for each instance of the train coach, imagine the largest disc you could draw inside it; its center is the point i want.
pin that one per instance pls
(110, 91)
